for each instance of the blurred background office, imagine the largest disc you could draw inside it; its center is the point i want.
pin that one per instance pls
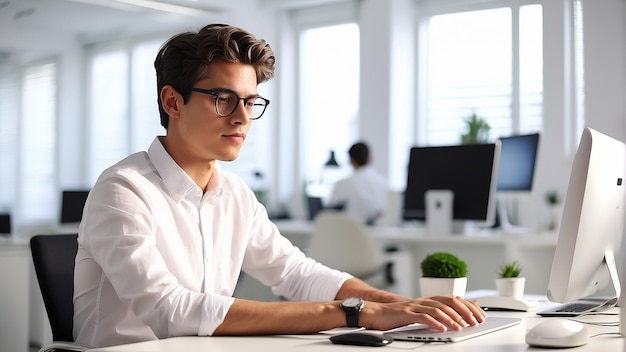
(77, 87)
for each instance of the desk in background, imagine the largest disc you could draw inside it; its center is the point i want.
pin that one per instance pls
(507, 340)
(483, 252)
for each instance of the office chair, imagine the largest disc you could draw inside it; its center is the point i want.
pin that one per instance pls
(53, 259)
(343, 243)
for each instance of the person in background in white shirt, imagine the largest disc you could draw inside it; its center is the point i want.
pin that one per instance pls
(363, 195)
(165, 233)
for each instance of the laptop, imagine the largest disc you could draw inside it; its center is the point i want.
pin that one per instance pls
(426, 334)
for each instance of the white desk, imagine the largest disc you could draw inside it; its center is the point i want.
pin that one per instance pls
(508, 340)
(483, 252)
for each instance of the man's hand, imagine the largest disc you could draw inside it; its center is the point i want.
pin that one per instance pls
(440, 312)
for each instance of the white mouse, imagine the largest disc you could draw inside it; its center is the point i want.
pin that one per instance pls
(558, 332)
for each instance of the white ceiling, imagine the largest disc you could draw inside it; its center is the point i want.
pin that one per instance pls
(28, 25)
(34, 28)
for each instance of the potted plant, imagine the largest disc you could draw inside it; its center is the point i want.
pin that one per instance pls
(510, 283)
(477, 130)
(443, 273)
(259, 188)
(553, 199)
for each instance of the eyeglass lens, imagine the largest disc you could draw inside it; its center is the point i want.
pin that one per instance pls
(227, 103)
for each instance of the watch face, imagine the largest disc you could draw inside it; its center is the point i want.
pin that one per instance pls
(351, 302)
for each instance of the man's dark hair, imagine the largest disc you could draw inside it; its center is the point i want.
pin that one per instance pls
(359, 152)
(183, 60)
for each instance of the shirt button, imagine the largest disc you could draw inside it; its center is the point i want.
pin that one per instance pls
(176, 196)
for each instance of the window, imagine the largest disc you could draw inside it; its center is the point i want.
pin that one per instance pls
(122, 110)
(27, 142)
(124, 115)
(9, 94)
(37, 152)
(486, 61)
(328, 98)
(108, 110)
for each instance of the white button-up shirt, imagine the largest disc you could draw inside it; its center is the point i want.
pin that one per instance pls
(363, 194)
(158, 258)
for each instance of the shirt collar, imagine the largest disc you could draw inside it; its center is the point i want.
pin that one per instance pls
(177, 182)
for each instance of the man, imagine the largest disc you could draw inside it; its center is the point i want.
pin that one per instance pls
(363, 195)
(165, 233)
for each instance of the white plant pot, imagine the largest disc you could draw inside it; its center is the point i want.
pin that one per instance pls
(511, 287)
(432, 286)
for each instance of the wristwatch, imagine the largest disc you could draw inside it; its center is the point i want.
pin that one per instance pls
(352, 306)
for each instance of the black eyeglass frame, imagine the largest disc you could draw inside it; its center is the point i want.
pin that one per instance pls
(216, 94)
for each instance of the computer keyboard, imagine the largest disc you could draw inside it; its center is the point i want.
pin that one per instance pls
(573, 309)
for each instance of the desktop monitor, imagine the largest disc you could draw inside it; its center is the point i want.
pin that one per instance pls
(469, 171)
(592, 224)
(72, 204)
(518, 157)
(516, 172)
(5, 224)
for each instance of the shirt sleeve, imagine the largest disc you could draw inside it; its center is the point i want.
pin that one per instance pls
(276, 262)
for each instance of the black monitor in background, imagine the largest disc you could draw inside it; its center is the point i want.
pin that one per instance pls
(314, 205)
(468, 170)
(72, 204)
(5, 224)
(518, 157)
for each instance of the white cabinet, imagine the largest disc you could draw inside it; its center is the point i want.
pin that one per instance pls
(14, 295)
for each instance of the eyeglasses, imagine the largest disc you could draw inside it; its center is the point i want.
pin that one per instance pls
(226, 103)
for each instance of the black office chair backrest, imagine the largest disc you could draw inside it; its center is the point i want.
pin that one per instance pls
(53, 258)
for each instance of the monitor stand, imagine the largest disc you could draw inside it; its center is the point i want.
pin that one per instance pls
(505, 223)
(468, 228)
(598, 305)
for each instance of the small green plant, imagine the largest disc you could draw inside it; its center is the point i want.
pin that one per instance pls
(553, 198)
(512, 269)
(443, 265)
(477, 130)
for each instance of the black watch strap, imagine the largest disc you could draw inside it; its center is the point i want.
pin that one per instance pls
(352, 306)
(352, 318)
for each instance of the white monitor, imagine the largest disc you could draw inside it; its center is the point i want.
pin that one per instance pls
(592, 224)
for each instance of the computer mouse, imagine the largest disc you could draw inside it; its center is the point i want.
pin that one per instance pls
(558, 333)
(362, 338)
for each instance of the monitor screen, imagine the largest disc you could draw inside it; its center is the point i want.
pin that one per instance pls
(517, 162)
(592, 223)
(5, 223)
(72, 204)
(469, 171)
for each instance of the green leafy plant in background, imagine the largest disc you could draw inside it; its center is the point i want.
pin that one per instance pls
(553, 198)
(477, 130)
(443, 265)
